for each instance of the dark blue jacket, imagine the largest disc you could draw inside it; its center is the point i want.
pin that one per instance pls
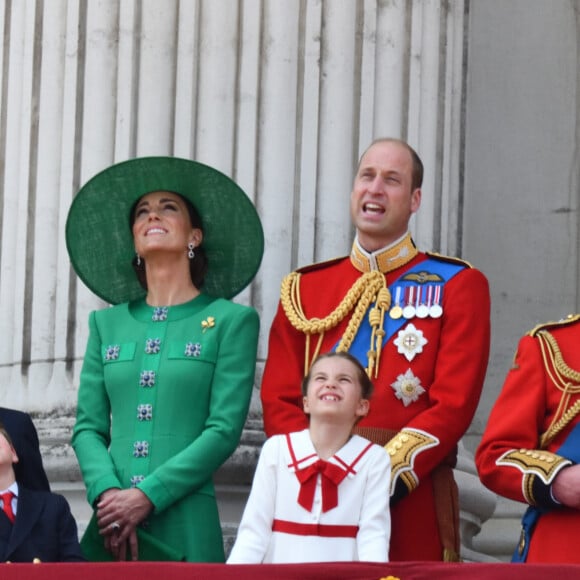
(44, 528)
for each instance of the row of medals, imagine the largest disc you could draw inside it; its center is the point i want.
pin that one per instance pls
(427, 303)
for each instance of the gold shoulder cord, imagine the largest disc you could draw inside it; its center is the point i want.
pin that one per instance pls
(565, 379)
(371, 286)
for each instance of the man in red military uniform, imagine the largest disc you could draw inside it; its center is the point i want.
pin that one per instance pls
(418, 322)
(530, 451)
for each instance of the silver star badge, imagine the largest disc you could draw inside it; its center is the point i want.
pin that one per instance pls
(410, 341)
(407, 388)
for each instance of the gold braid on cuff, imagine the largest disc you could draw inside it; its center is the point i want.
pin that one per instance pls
(534, 463)
(403, 449)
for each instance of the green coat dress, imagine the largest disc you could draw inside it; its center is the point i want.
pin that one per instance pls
(163, 398)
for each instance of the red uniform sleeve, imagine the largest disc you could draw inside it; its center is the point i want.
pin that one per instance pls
(508, 458)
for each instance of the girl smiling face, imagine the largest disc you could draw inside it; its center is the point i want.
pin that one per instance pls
(334, 390)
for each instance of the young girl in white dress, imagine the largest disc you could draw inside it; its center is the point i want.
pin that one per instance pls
(321, 494)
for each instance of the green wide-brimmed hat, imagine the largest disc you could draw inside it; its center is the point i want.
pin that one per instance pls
(100, 243)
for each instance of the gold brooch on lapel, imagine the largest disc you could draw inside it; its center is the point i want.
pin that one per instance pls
(209, 322)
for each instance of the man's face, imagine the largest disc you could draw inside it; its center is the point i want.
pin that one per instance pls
(382, 199)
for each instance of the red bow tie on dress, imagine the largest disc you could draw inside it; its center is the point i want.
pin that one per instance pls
(331, 474)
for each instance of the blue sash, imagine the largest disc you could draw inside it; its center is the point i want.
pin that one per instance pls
(570, 449)
(445, 271)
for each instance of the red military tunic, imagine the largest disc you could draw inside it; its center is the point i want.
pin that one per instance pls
(518, 454)
(424, 398)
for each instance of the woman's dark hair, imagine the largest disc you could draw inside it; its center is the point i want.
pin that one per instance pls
(197, 265)
(366, 384)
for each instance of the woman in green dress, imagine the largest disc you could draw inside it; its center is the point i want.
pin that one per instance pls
(169, 369)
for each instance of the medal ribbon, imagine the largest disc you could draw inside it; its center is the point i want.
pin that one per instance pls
(409, 292)
(331, 476)
(437, 295)
(430, 295)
